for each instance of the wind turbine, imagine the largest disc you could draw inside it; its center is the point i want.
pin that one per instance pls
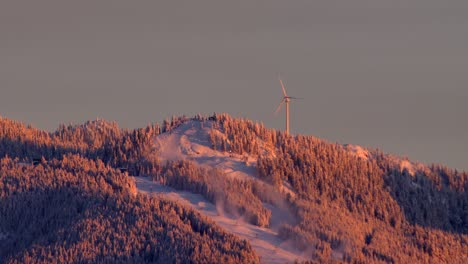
(286, 100)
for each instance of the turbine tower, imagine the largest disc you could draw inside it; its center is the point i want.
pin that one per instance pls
(286, 100)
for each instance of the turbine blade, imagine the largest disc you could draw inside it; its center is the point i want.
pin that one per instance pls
(296, 97)
(282, 86)
(279, 107)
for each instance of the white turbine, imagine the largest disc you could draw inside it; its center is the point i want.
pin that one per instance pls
(286, 99)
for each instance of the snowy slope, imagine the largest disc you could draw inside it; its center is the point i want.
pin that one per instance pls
(191, 141)
(358, 151)
(263, 240)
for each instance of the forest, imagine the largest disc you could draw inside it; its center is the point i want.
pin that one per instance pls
(76, 210)
(77, 205)
(359, 210)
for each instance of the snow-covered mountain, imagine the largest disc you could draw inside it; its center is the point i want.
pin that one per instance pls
(240, 192)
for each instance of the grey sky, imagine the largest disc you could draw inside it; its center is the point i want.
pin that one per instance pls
(384, 74)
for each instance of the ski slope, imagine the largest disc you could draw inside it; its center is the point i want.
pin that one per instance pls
(264, 241)
(191, 141)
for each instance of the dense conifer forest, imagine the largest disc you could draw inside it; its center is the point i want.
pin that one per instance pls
(76, 205)
(359, 209)
(76, 210)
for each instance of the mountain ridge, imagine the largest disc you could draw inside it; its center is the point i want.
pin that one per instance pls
(349, 203)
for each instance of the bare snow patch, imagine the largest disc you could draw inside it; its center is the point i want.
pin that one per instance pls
(358, 151)
(264, 241)
(191, 141)
(406, 165)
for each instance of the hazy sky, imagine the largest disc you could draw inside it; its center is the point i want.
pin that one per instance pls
(384, 74)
